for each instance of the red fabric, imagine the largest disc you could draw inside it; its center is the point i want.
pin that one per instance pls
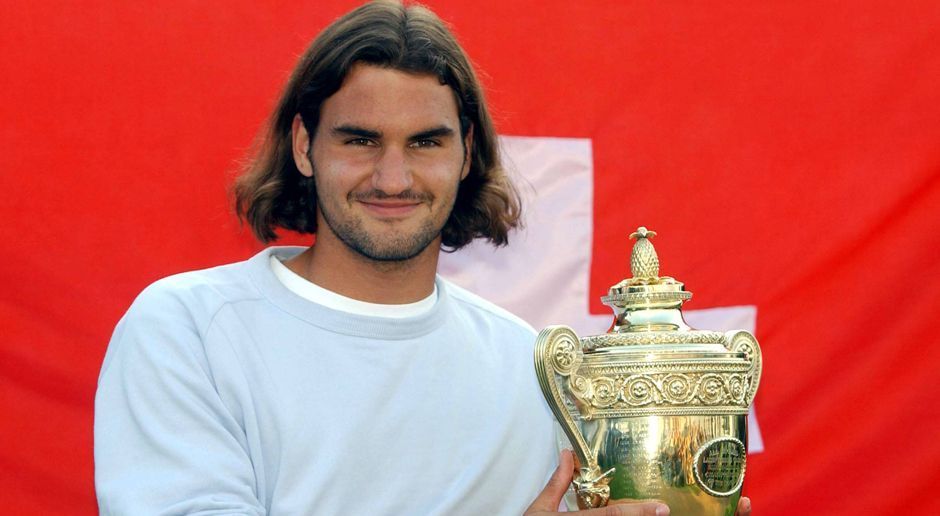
(786, 152)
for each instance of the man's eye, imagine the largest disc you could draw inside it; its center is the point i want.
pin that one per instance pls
(425, 143)
(360, 141)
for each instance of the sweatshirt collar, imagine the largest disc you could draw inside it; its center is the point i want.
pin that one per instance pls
(259, 268)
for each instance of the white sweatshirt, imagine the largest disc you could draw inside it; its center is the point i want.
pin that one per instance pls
(223, 392)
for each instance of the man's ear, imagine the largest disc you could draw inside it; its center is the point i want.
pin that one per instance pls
(467, 153)
(300, 140)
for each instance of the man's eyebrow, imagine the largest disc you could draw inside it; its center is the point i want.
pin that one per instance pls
(352, 130)
(435, 132)
(361, 132)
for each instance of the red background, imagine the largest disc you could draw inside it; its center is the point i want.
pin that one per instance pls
(789, 150)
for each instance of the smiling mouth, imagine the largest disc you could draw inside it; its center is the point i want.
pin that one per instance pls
(390, 209)
(382, 205)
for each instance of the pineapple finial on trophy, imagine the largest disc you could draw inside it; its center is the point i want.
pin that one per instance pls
(643, 260)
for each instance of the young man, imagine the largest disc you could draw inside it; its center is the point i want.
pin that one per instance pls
(344, 378)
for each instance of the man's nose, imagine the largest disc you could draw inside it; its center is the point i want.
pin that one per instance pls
(392, 174)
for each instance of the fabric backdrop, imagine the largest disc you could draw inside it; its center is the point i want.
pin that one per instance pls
(788, 154)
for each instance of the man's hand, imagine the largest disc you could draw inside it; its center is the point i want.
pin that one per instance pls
(546, 504)
(550, 498)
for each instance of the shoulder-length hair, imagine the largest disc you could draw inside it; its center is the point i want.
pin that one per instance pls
(272, 193)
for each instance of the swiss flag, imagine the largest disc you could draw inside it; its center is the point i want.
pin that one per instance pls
(787, 153)
(789, 157)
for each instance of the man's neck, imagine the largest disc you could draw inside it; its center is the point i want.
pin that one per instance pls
(332, 265)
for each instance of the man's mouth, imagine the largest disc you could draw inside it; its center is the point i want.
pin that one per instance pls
(382, 205)
(390, 208)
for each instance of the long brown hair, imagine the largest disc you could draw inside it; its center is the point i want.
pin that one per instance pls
(272, 193)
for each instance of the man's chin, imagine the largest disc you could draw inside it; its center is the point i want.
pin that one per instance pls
(386, 240)
(390, 250)
(389, 255)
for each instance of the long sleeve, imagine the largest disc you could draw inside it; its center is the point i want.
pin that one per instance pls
(165, 442)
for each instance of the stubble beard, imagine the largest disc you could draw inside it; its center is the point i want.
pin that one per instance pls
(387, 248)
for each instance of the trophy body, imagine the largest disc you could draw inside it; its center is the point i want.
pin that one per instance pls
(653, 409)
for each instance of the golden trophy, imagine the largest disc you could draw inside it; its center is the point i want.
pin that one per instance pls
(653, 409)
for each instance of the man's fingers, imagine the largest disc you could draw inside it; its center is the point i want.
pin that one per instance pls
(632, 509)
(744, 507)
(550, 497)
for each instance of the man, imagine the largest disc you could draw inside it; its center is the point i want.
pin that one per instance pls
(346, 377)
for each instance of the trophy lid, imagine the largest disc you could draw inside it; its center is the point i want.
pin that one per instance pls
(646, 289)
(648, 309)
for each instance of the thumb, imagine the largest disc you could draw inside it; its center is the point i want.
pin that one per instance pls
(550, 497)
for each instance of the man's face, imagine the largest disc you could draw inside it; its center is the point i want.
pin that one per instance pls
(387, 158)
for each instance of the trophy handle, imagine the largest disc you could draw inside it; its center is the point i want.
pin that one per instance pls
(558, 354)
(741, 341)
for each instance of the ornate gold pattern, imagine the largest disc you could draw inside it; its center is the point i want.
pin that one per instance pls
(556, 354)
(663, 390)
(648, 297)
(744, 342)
(645, 338)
